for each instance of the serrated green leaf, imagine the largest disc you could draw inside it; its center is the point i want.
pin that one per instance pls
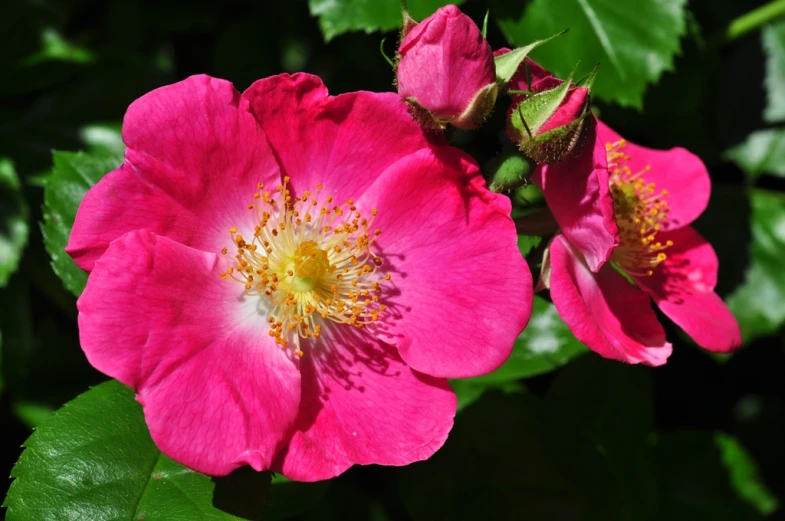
(633, 41)
(341, 16)
(757, 303)
(94, 460)
(13, 221)
(773, 38)
(72, 175)
(744, 475)
(763, 152)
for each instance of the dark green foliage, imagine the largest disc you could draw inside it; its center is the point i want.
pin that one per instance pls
(548, 435)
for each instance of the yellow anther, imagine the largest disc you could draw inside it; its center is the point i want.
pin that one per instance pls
(311, 261)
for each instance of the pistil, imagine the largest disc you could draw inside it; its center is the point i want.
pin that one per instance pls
(311, 261)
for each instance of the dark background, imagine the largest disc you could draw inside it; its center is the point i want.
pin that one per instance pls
(712, 101)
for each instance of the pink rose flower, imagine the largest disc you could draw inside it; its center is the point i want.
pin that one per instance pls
(578, 193)
(286, 278)
(446, 71)
(654, 195)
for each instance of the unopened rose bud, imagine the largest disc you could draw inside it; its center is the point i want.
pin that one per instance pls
(446, 71)
(548, 118)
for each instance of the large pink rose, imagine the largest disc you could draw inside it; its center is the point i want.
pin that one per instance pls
(287, 278)
(654, 195)
(446, 68)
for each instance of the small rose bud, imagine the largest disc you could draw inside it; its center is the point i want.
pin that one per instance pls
(548, 116)
(446, 71)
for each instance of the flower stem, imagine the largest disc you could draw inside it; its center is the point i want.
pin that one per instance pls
(754, 19)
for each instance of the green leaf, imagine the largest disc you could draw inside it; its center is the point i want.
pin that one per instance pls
(32, 414)
(612, 403)
(13, 221)
(757, 303)
(633, 41)
(509, 457)
(773, 37)
(73, 174)
(94, 459)
(744, 474)
(763, 152)
(341, 16)
(55, 48)
(526, 243)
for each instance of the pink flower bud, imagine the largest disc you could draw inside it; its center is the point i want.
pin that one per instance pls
(549, 122)
(446, 71)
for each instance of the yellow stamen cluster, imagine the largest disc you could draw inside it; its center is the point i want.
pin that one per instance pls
(311, 260)
(639, 210)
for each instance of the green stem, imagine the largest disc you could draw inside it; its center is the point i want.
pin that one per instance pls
(754, 19)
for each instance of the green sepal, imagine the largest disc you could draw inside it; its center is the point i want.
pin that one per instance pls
(534, 110)
(558, 144)
(478, 109)
(407, 22)
(587, 80)
(507, 64)
(424, 117)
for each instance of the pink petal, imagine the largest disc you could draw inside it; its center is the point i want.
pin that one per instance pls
(462, 292)
(195, 155)
(217, 392)
(444, 62)
(361, 404)
(344, 142)
(573, 107)
(683, 288)
(677, 170)
(578, 194)
(604, 311)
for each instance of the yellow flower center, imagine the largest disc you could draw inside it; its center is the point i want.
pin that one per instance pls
(639, 210)
(311, 261)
